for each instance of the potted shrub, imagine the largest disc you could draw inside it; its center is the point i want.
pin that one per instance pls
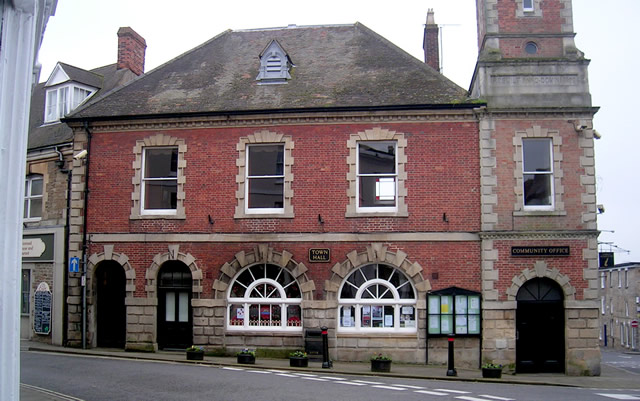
(380, 363)
(246, 356)
(195, 353)
(492, 371)
(298, 359)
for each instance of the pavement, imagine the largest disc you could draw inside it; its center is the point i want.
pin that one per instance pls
(611, 377)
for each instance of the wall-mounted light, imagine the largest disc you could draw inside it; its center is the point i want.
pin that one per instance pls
(211, 221)
(320, 220)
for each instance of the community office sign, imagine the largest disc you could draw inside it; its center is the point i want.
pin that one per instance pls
(525, 251)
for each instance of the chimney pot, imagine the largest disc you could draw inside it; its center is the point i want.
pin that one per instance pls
(431, 44)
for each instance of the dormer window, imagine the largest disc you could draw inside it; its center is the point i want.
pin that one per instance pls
(274, 65)
(64, 99)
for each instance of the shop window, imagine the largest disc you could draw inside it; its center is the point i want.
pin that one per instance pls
(33, 191)
(265, 179)
(160, 180)
(537, 163)
(453, 311)
(377, 298)
(265, 297)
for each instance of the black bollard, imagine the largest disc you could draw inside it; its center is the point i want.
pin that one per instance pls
(326, 363)
(451, 370)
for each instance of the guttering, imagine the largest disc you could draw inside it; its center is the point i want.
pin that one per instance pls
(341, 109)
(85, 236)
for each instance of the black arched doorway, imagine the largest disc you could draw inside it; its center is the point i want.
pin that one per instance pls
(110, 308)
(540, 327)
(174, 306)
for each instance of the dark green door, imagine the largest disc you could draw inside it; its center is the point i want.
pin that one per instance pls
(540, 327)
(174, 306)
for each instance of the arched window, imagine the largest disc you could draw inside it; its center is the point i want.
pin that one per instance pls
(377, 298)
(264, 297)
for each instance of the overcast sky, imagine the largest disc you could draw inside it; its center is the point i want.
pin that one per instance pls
(83, 33)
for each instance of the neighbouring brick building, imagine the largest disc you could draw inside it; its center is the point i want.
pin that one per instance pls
(272, 181)
(49, 182)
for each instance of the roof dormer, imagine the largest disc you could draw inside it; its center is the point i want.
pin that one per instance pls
(67, 88)
(274, 65)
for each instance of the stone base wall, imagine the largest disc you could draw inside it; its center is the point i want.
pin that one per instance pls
(466, 352)
(499, 333)
(142, 320)
(582, 348)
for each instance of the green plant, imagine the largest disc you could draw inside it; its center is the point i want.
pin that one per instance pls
(247, 351)
(380, 357)
(490, 365)
(195, 348)
(298, 354)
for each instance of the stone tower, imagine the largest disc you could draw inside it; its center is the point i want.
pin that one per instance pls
(538, 218)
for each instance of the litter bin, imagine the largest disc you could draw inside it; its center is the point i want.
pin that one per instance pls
(313, 344)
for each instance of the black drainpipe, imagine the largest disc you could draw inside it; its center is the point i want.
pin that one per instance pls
(85, 237)
(69, 172)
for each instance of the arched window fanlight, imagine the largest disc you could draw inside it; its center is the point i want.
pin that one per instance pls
(377, 297)
(264, 297)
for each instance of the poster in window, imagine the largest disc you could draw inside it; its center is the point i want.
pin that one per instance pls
(461, 304)
(446, 305)
(446, 324)
(407, 310)
(434, 324)
(461, 324)
(240, 313)
(346, 312)
(376, 312)
(366, 310)
(474, 304)
(347, 321)
(434, 305)
(388, 320)
(474, 324)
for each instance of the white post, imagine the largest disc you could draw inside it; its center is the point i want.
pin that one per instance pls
(22, 26)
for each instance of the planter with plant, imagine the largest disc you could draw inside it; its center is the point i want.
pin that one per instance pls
(195, 353)
(492, 371)
(380, 363)
(298, 359)
(246, 356)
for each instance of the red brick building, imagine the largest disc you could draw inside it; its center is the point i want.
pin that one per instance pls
(273, 181)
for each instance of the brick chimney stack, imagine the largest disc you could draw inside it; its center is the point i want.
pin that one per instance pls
(431, 43)
(131, 50)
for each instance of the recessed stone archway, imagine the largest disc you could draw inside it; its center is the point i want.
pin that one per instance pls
(263, 254)
(122, 259)
(540, 270)
(376, 253)
(173, 253)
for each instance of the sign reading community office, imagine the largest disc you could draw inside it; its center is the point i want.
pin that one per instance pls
(540, 251)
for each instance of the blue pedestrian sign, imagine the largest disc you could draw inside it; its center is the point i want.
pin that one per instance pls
(74, 265)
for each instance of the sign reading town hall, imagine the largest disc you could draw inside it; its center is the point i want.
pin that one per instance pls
(540, 251)
(319, 255)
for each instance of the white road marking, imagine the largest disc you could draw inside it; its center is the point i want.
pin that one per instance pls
(467, 398)
(315, 378)
(286, 375)
(305, 375)
(366, 382)
(391, 388)
(408, 386)
(58, 396)
(496, 397)
(228, 368)
(452, 391)
(266, 372)
(333, 378)
(620, 396)
(430, 392)
(352, 383)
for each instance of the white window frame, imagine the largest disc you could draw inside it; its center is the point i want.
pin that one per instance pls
(29, 197)
(528, 7)
(619, 278)
(550, 173)
(603, 305)
(358, 302)
(143, 181)
(626, 278)
(248, 177)
(54, 112)
(247, 300)
(603, 279)
(375, 209)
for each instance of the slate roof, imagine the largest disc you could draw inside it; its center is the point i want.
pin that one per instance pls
(107, 78)
(337, 66)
